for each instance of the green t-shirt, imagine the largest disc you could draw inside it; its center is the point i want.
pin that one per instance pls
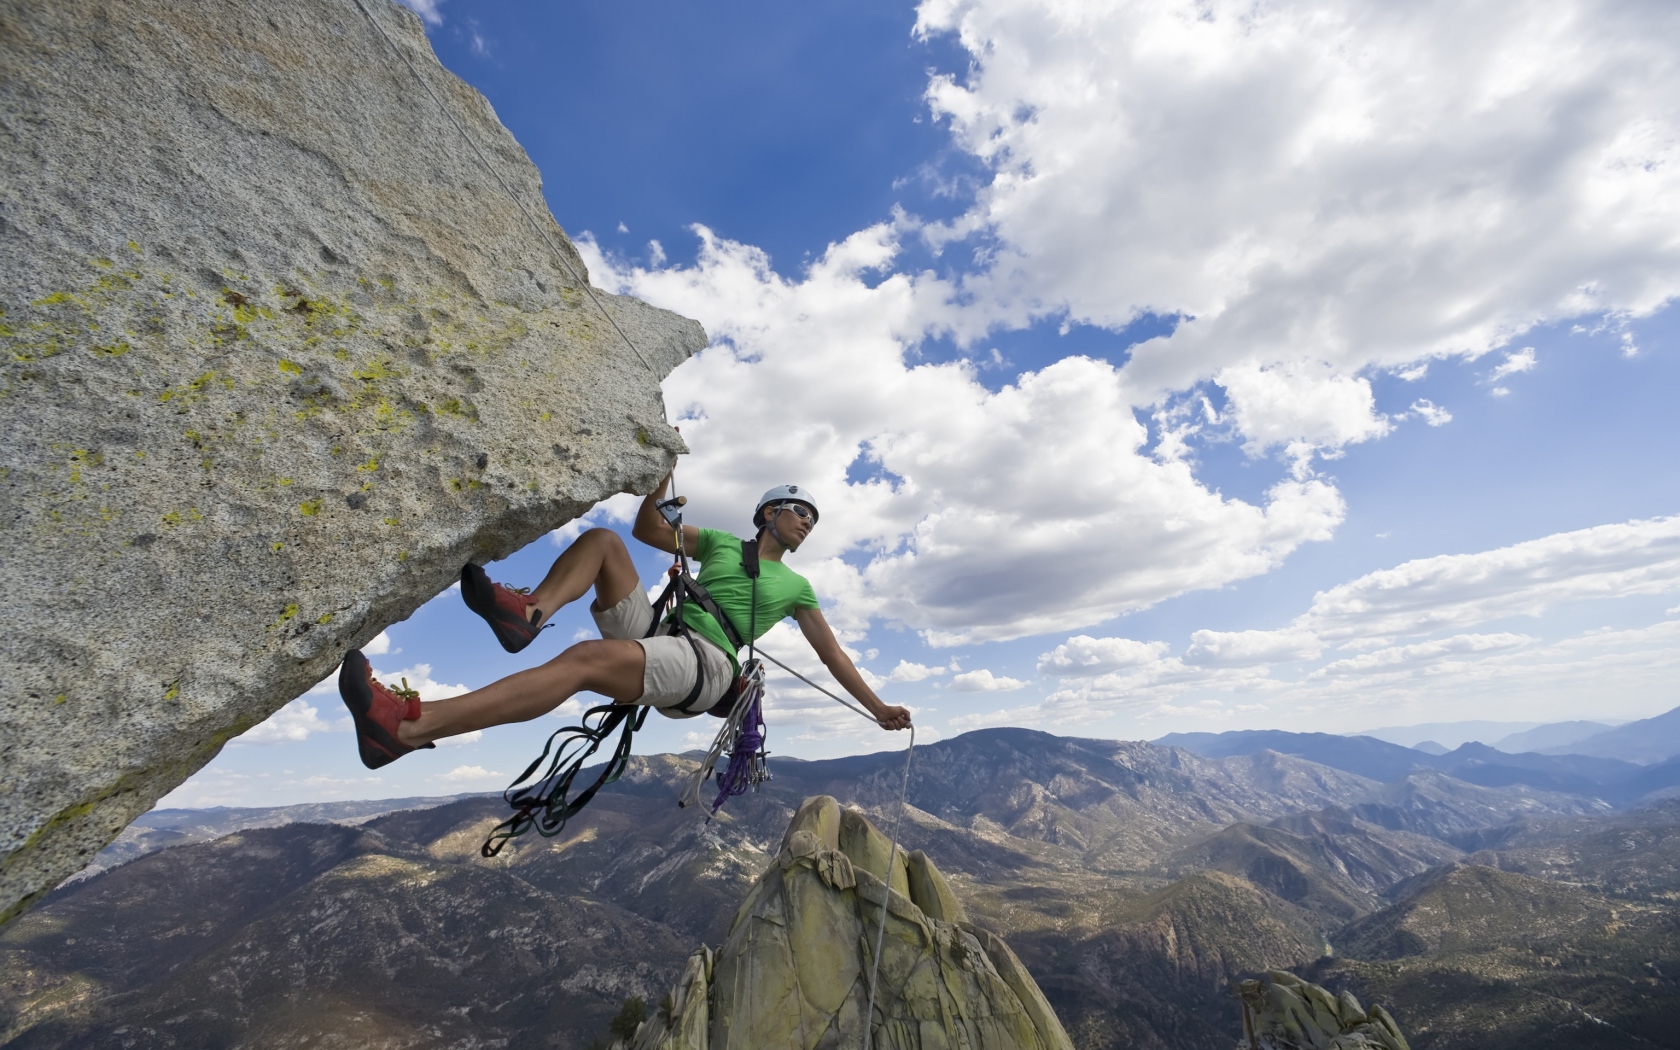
(780, 591)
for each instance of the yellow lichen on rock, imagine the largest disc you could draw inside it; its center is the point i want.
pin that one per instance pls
(931, 892)
(872, 851)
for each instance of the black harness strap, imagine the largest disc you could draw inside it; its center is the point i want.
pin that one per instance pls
(703, 598)
(684, 587)
(749, 561)
(693, 697)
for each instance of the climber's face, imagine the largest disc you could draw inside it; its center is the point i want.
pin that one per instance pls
(794, 522)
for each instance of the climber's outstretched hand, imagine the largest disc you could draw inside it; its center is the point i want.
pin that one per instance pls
(893, 717)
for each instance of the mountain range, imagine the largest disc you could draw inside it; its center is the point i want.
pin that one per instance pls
(1614, 781)
(1136, 881)
(162, 828)
(1647, 741)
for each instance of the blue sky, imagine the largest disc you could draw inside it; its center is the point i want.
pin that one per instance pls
(1161, 367)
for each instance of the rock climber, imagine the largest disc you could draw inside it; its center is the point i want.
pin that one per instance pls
(661, 671)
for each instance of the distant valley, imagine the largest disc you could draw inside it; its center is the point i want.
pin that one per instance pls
(1488, 900)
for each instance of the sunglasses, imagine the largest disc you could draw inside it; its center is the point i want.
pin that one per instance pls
(799, 509)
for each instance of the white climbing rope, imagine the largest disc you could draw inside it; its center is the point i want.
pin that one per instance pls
(892, 854)
(485, 162)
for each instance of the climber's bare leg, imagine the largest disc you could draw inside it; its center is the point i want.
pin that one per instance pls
(611, 667)
(596, 559)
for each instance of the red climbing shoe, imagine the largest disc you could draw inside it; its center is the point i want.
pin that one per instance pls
(502, 607)
(377, 709)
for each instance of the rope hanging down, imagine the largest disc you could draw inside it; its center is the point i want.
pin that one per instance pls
(892, 854)
(485, 163)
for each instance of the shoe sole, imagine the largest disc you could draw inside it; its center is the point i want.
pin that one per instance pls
(479, 593)
(373, 741)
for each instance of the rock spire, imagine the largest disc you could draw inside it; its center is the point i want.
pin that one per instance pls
(794, 970)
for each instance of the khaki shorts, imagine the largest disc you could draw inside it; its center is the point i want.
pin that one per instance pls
(670, 659)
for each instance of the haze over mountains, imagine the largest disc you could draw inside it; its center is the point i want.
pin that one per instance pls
(1611, 780)
(1645, 741)
(1514, 737)
(1136, 881)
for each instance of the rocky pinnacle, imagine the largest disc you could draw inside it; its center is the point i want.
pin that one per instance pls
(794, 970)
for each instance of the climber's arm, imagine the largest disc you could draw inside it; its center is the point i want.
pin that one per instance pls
(652, 528)
(817, 632)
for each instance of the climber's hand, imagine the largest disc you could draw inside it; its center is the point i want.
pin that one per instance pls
(893, 717)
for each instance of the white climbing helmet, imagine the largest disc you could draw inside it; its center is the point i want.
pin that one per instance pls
(785, 494)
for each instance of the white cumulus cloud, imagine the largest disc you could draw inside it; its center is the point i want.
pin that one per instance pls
(1431, 413)
(906, 671)
(1352, 183)
(1424, 654)
(471, 776)
(298, 720)
(990, 515)
(1302, 404)
(1083, 655)
(1521, 361)
(1629, 672)
(983, 681)
(1523, 579)
(1250, 648)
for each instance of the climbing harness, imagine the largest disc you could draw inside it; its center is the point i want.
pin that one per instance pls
(741, 707)
(535, 225)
